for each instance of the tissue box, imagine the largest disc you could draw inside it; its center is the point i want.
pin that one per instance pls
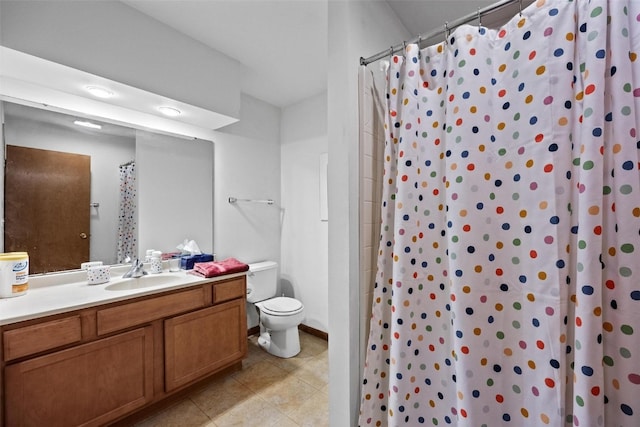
(98, 274)
(187, 261)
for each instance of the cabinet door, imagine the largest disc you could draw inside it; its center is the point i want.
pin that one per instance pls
(87, 385)
(203, 342)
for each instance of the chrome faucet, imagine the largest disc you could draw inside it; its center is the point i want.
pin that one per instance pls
(136, 270)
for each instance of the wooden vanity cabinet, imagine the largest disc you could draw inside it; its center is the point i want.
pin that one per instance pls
(86, 385)
(202, 342)
(101, 364)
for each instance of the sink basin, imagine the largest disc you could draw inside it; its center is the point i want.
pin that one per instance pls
(142, 282)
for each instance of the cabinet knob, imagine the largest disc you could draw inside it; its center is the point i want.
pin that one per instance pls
(83, 235)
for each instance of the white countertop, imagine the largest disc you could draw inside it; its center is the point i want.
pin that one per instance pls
(62, 292)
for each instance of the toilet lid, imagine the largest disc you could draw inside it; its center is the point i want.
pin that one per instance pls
(282, 305)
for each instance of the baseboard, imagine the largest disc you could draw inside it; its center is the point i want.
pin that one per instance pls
(313, 331)
(308, 329)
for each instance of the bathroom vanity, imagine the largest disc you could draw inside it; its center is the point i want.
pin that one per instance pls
(93, 355)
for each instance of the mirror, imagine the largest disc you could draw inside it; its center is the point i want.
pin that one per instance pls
(160, 196)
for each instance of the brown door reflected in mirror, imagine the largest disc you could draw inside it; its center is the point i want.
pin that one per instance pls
(47, 197)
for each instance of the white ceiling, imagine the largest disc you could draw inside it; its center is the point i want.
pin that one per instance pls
(283, 43)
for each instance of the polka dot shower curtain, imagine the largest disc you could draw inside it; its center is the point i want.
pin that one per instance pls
(508, 284)
(128, 216)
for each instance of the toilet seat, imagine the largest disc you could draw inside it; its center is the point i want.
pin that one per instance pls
(281, 306)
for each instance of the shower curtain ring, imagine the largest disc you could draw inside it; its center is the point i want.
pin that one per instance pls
(390, 53)
(404, 48)
(419, 43)
(521, 8)
(479, 21)
(446, 32)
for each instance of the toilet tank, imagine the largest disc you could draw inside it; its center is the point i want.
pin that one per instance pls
(262, 281)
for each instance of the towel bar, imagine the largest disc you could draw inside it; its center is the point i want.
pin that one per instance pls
(233, 200)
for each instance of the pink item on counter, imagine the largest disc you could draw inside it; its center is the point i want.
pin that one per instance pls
(219, 268)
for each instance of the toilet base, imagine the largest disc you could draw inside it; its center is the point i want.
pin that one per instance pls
(284, 344)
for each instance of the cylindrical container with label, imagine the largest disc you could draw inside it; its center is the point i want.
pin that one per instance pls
(156, 262)
(14, 274)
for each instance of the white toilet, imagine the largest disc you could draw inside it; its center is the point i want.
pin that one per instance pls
(279, 316)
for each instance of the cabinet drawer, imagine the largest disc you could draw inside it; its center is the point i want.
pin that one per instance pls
(229, 290)
(42, 336)
(140, 312)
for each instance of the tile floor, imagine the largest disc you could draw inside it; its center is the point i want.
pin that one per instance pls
(268, 391)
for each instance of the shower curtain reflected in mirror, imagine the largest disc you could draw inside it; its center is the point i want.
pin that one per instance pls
(508, 287)
(128, 217)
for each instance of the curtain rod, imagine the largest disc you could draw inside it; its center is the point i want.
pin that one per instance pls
(447, 27)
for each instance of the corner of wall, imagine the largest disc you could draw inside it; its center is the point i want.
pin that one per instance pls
(258, 120)
(357, 29)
